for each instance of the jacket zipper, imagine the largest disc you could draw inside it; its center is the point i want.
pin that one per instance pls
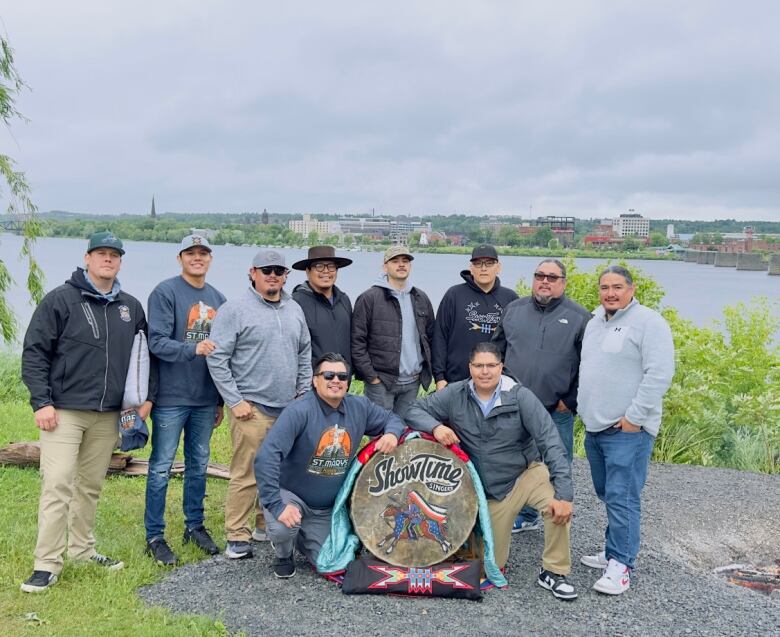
(105, 375)
(91, 319)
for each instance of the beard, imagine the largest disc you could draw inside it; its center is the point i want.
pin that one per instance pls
(543, 299)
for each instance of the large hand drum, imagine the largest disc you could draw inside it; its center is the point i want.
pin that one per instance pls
(415, 506)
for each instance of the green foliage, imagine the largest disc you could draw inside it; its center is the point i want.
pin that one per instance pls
(19, 201)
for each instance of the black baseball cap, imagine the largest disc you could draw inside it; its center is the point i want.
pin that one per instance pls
(484, 251)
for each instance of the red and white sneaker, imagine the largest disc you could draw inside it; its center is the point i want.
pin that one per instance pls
(616, 579)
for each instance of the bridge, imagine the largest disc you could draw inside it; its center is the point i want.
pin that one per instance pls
(15, 224)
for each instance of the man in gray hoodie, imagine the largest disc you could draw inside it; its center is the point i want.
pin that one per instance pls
(262, 361)
(392, 329)
(627, 367)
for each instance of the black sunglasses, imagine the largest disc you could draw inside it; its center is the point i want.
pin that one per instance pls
(552, 278)
(278, 270)
(332, 375)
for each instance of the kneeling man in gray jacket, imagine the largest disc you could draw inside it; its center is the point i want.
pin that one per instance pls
(503, 428)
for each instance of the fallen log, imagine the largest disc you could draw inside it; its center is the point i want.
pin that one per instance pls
(28, 454)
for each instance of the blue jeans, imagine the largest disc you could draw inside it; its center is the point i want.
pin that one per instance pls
(167, 425)
(564, 421)
(619, 461)
(397, 399)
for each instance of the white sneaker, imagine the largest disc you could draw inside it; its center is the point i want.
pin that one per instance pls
(616, 579)
(595, 561)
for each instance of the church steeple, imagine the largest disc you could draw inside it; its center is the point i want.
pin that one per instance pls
(154, 213)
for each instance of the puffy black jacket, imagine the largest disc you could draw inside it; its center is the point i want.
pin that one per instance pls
(466, 316)
(542, 345)
(376, 335)
(502, 444)
(77, 347)
(330, 325)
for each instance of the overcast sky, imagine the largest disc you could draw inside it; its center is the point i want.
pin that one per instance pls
(437, 107)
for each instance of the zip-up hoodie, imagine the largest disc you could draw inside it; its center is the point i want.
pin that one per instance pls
(516, 432)
(329, 323)
(411, 361)
(377, 334)
(77, 347)
(467, 315)
(263, 352)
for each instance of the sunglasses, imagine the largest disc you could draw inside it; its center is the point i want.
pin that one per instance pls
(552, 278)
(278, 270)
(343, 376)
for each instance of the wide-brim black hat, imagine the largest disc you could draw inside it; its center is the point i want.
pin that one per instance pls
(321, 253)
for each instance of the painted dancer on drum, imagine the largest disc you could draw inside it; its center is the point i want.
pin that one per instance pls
(304, 459)
(503, 428)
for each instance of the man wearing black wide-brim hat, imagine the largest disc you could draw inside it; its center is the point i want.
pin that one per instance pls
(328, 310)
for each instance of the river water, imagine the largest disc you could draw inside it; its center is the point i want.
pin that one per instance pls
(699, 292)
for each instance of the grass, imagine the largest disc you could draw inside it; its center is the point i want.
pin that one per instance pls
(89, 600)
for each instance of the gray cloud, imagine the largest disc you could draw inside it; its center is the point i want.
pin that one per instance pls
(440, 107)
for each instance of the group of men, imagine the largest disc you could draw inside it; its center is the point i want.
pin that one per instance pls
(510, 374)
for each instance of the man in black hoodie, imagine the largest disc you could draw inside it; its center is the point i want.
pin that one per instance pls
(74, 362)
(468, 314)
(327, 309)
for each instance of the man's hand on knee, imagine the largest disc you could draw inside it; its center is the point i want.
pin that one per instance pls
(291, 516)
(560, 511)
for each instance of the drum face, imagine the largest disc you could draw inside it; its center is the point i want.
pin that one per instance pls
(415, 506)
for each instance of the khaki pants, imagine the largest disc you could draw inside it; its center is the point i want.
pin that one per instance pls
(74, 459)
(241, 502)
(533, 487)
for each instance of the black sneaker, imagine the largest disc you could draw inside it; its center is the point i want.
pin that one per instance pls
(38, 582)
(158, 548)
(202, 540)
(557, 584)
(238, 550)
(106, 562)
(284, 567)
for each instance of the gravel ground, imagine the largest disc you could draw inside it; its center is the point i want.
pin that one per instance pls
(694, 519)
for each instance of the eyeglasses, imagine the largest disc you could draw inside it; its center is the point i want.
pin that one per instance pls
(482, 265)
(342, 376)
(488, 366)
(552, 278)
(278, 270)
(324, 267)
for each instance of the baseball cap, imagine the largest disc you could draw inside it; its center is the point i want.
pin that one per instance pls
(192, 240)
(397, 251)
(484, 251)
(268, 257)
(105, 240)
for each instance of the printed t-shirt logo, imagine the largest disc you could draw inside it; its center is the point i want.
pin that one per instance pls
(481, 320)
(124, 313)
(199, 320)
(332, 454)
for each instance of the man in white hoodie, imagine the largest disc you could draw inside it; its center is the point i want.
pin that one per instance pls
(626, 367)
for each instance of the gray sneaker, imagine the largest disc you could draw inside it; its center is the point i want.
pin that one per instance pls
(106, 562)
(238, 550)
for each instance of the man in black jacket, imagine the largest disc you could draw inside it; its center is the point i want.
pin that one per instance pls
(468, 314)
(541, 339)
(74, 362)
(507, 433)
(327, 309)
(392, 327)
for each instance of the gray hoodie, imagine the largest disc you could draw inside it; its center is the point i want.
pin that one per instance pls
(411, 354)
(263, 351)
